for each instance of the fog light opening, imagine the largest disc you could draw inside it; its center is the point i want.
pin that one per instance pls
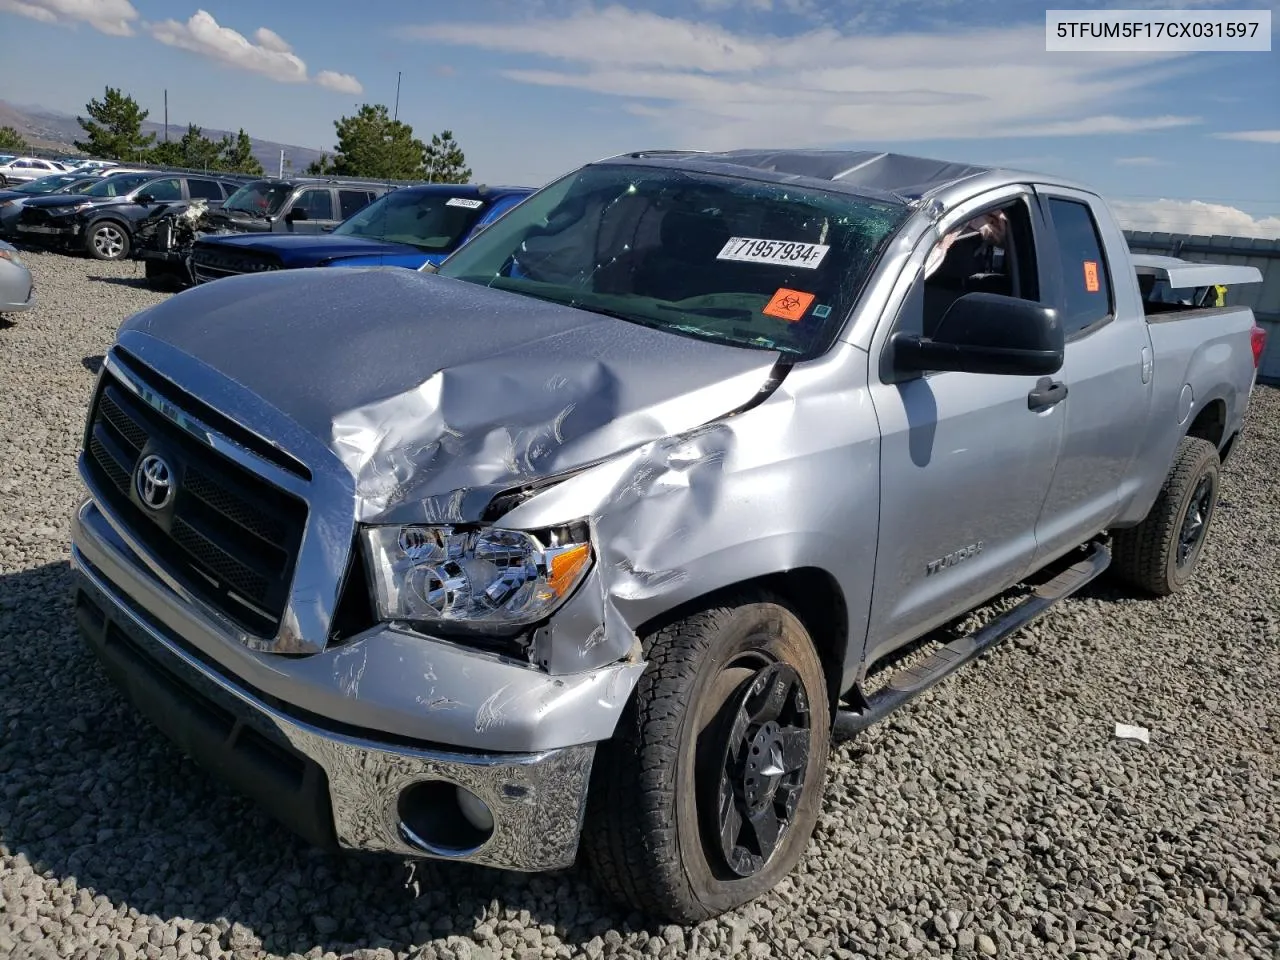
(443, 818)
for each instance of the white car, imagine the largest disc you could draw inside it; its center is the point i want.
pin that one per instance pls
(23, 169)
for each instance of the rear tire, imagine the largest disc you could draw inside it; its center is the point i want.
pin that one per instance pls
(729, 728)
(107, 240)
(1160, 554)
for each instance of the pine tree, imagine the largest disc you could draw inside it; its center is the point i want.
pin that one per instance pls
(11, 141)
(371, 144)
(114, 130)
(237, 156)
(445, 161)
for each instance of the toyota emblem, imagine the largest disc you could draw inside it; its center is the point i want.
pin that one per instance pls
(154, 482)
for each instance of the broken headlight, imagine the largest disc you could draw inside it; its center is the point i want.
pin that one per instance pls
(503, 578)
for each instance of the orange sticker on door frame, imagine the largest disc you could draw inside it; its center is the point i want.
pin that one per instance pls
(1091, 276)
(788, 305)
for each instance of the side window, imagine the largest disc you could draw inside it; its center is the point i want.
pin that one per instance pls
(353, 201)
(992, 252)
(163, 190)
(204, 189)
(1086, 283)
(318, 203)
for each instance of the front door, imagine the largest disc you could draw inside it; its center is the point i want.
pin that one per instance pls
(966, 462)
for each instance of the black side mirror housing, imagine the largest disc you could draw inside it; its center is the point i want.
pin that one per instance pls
(297, 213)
(985, 333)
(145, 199)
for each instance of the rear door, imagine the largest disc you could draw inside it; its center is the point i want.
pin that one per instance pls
(1107, 370)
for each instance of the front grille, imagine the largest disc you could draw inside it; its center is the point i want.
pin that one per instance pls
(227, 534)
(209, 262)
(40, 216)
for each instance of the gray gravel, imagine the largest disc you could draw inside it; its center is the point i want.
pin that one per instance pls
(996, 816)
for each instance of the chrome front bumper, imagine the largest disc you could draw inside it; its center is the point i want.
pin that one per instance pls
(333, 784)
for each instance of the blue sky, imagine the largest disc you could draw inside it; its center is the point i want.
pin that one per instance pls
(533, 88)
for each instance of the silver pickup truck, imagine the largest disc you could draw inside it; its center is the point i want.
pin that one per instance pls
(591, 541)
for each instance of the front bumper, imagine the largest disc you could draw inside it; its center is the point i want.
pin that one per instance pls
(333, 784)
(47, 231)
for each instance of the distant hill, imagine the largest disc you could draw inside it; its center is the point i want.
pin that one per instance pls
(53, 130)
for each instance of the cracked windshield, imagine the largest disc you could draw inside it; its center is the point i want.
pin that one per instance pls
(736, 261)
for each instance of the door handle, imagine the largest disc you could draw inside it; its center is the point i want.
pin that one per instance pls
(1047, 393)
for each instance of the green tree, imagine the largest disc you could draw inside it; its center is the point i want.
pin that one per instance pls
(114, 128)
(320, 168)
(371, 144)
(194, 150)
(445, 161)
(11, 141)
(237, 156)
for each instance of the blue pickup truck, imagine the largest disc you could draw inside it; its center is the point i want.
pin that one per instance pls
(409, 227)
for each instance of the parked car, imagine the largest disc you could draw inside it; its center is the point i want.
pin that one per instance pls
(11, 200)
(409, 227)
(293, 205)
(17, 289)
(594, 536)
(23, 169)
(101, 222)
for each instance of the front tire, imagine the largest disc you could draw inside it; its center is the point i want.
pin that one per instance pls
(1160, 554)
(107, 240)
(709, 791)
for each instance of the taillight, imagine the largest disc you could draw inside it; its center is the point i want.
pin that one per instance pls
(1257, 340)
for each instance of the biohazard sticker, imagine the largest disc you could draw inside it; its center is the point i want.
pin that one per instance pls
(788, 305)
(464, 202)
(1091, 276)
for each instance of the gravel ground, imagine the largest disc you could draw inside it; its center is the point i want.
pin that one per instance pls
(996, 816)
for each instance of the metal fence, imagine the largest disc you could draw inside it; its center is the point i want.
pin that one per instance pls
(1263, 298)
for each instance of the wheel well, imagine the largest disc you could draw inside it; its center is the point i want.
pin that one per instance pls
(1210, 423)
(811, 593)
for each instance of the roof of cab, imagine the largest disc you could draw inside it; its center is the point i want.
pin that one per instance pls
(896, 176)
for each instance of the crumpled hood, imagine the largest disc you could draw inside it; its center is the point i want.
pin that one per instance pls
(432, 391)
(299, 250)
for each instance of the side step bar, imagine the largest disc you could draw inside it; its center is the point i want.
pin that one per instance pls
(910, 682)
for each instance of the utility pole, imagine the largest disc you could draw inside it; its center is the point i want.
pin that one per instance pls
(281, 164)
(396, 115)
(166, 114)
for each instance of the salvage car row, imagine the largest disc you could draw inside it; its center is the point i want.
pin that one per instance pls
(586, 538)
(192, 228)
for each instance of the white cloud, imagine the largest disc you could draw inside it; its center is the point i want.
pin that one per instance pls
(339, 82)
(268, 54)
(1193, 216)
(709, 87)
(270, 40)
(108, 16)
(1253, 136)
(203, 35)
(1141, 162)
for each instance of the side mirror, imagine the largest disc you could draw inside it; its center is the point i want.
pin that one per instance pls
(144, 199)
(297, 213)
(986, 333)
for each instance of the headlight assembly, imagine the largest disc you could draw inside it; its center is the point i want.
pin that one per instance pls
(436, 575)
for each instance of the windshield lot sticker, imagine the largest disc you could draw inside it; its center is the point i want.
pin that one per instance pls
(777, 252)
(1091, 276)
(788, 305)
(464, 202)
(822, 311)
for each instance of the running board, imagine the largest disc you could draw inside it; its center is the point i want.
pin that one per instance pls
(910, 682)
